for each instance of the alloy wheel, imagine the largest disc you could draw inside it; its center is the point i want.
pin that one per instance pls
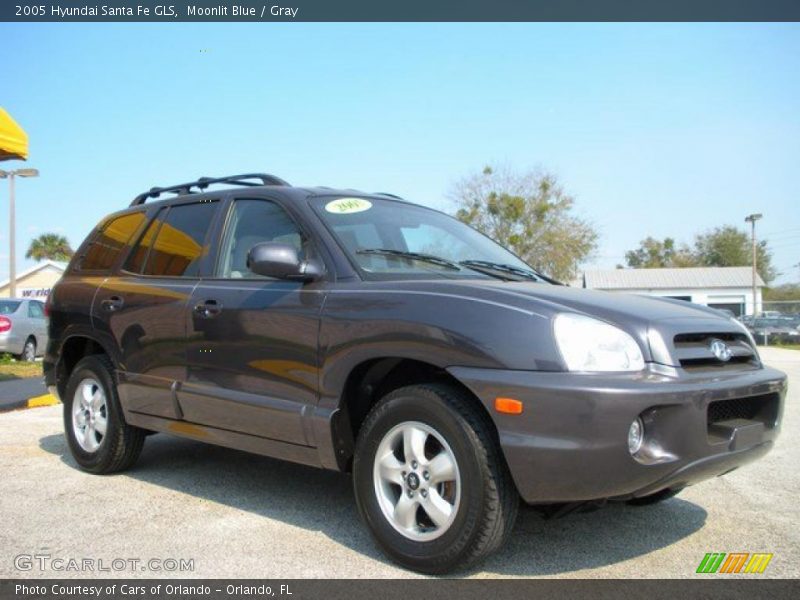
(89, 415)
(417, 481)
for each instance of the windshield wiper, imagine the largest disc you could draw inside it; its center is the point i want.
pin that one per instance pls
(493, 268)
(419, 256)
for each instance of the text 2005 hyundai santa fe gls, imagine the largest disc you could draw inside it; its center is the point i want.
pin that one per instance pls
(363, 333)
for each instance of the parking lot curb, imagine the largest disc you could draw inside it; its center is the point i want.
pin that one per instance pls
(43, 400)
(35, 402)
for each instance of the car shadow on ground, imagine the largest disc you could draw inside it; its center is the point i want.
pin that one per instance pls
(323, 501)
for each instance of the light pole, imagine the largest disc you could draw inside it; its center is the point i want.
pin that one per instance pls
(12, 258)
(752, 220)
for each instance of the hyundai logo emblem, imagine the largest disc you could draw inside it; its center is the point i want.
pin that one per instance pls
(720, 349)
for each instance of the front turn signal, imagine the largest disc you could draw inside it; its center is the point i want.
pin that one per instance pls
(508, 406)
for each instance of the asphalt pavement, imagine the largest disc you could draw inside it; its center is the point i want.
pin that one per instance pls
(15, 391)
(238, 515)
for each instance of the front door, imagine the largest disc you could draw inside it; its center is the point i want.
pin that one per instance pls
(252, 341)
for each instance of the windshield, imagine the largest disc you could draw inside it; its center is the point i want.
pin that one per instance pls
(389, 239)
(8, 306)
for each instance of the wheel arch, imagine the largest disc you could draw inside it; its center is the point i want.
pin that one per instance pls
(73, 349)
(374, 378)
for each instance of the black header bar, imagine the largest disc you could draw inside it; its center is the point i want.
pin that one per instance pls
(399, 10)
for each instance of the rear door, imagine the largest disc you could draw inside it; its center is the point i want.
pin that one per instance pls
(143, 306)
(252, 341)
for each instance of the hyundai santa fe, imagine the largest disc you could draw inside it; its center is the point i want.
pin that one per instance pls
(362, 333)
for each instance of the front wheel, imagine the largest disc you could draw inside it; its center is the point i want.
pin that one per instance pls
(430, 480)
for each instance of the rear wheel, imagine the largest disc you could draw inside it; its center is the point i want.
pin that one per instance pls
(99, 438)
(28, 350)
(430, 480)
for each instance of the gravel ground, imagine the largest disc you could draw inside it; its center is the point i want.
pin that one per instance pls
(239, 515)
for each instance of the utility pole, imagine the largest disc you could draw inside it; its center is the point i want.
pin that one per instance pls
(12, 251)
(752, 220)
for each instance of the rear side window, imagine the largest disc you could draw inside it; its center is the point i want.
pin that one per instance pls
(109, 242)
(175, 246)
(142, 249)
(36, 310)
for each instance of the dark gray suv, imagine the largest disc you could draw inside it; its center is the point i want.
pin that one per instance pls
(362, 333)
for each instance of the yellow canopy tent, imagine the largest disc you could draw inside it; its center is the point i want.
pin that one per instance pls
(13, 139)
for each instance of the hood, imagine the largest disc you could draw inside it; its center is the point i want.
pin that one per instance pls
(653, 322)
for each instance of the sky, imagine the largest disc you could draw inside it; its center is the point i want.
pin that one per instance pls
(655, 129)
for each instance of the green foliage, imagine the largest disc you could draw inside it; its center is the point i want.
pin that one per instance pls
(724, 246)
(786, 292)
(6, 359)
(49, 246)
(530, 214)
(656, 254)
(729, 246)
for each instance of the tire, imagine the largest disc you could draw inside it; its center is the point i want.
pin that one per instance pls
(28, 351)
(655, 498)
(479, 490)
(118, 445)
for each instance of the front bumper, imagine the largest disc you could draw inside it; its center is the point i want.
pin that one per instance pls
(570, 442)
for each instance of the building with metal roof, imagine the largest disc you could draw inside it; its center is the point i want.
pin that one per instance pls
(729, 288)
(37, 281)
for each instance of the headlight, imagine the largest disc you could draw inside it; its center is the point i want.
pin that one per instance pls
(587, 344)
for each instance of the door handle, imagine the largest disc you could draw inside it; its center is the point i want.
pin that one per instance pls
(113, 303)
(208, 309)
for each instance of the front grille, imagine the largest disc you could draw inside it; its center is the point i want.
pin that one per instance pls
(754, 408)
(693, 351)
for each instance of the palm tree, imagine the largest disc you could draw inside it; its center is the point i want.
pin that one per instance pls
(49, 246)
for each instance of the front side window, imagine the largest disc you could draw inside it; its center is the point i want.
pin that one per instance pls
(387, 238)
(253, 222)
(175, 246)
(108, 243)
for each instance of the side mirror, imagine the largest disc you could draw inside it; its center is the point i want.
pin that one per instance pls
(281, 261)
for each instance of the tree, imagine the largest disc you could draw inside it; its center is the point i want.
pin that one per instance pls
(729, 246)
(724, 246)
(49, 246)
(528, 213)
(655, 254)
(787, 292)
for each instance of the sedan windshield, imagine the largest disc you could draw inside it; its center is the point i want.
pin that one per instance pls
(389, 239)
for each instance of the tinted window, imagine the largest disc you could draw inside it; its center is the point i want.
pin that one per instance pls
(106, 246)
(36, 310)
(179, 244)
(252, 222)
(142, 249)
(8, 306)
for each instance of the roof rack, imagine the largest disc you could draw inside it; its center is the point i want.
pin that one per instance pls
(202, 183)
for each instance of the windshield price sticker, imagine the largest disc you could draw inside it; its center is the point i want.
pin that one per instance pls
(346, 206)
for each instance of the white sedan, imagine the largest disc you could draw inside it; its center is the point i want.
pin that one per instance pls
(23, 328)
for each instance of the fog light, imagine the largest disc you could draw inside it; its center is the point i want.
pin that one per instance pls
(635, 436)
